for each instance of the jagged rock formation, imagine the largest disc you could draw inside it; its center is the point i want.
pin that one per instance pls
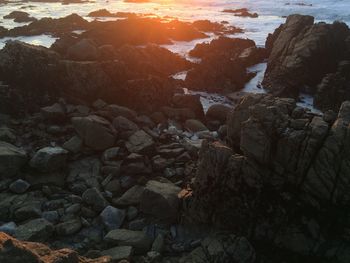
(285, 171)
(302, 53)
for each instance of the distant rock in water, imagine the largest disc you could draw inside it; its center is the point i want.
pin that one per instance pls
(20, 17)
(244, 12)
(303, 53)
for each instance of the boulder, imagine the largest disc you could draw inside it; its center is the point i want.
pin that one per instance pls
(123, 237)
(73, 145)
(49, 159)
(139, 142)
(35, 230)
(218, 112)
(12, 159)
(95, 132)
(94, 198)
(20, 17)
(131, 197)
(195, 125)
(123, 124)
(112, 218)
(69, 227)
(160, 200)
(303, 53)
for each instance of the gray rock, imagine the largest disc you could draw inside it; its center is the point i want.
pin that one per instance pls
(69, 227)
(139, 142)
(123, 124)
(218, 112)
(12, 159)
(136, 239)
(195, 125)
(35, 230)
(130, 197)
(73, 145)
(19, 186)
(56, 112)
(51, 216)
(161, 200)
(94, 198)
(112, 218)
(7, 135)
(49, 159)
(95, 131)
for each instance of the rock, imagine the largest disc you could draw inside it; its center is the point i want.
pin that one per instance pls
(15, 251)
(49, 159)
(35, 230)
(8, 228)
(95, 132)
(112, 218)
(11, 159)
(218, 112)
(191, 102)
(119, 253)
(73, 145)
(158, 244)
(56, 112)
(131, 197)
(195, 126)
(223, 65)
(303, 53)
(123, 124)
(125, 112)
(160, 200)
(69, 227)
(139, 142)
(94, 198)
(19, 186)
(84, 50)
(7, 135)
(20, 17)
(123, 237)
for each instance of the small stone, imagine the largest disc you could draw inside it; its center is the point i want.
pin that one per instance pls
(112, 218)
(158, 244)
(19, 186)
(132, 212)
(131, 197)
(195, 126)
(8, 228)
(51, 216)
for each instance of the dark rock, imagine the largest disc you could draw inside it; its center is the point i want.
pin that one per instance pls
(49, 159)
(35, 230)
(302, 53)
(11, 159)
(160, 200)
(218, 112)
(94, 198)
(95, 131)
(84, 50)
(112, 218)
(20, 17)
(139, 142)
(19, 186)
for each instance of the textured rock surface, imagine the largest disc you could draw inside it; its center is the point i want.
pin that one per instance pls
(303, 53)
(284, 167)
(15, 251)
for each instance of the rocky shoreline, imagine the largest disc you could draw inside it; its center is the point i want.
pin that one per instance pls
(103, 155)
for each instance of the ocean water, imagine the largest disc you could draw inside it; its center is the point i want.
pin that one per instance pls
(271, 14)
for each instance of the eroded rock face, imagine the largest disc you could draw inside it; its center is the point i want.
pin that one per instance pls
(302, 53)
(15, 251)
(284, 168)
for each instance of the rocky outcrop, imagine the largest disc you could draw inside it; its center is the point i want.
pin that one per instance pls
(15, 251)
(223, 64)
(284, 168)
(302, 53)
